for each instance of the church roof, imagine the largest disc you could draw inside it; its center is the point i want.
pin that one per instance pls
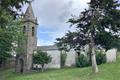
(29, 12)
(48, 48)
(29, 15)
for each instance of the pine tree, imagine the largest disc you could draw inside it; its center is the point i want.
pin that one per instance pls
(102, 18)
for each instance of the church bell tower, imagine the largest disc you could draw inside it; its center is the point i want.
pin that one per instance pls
(24, 60)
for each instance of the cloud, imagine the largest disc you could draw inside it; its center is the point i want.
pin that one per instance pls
(56, 12)
(52, 16)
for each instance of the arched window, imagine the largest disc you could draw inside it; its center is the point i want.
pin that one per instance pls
(33, 31)
(24, 29)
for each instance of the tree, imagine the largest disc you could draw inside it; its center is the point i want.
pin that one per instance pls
(41, 58)
(9, 38)
(63, 47)
(5, 46)
(63, 56)
(99, 19)
(10, 7)
(10, 27)
(8, 4)
(96, 20)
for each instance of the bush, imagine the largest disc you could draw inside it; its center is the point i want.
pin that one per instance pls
(63, 59)
(82, 61)
(100, 57)
(41, 58)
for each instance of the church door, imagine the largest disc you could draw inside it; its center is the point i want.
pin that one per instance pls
(21, 65)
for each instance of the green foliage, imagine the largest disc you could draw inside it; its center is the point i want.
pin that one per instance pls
(82, 61)
(10, 27)
(100, 57)
(101, 18)
(107, 40)
(67, 42)
(9, 37)
(5, 45)
(102, 23)
(16, 3)
(6, 8)
(8, 5)
(63, 59)
(41, 58)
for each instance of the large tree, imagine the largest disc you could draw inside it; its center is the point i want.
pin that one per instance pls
(10, 26)
(9, 7)
(100, 20)
(9, 38)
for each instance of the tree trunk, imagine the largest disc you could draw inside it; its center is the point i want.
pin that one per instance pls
(4, 64)
(0, 64)
(42, 67)
(93, 57)
(89, 54)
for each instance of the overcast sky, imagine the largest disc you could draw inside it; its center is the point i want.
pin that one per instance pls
(52, 16)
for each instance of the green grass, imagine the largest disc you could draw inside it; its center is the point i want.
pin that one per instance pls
(107, 72)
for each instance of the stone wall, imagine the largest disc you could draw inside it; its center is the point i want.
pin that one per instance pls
(111, 55)
(55, 63)
(71, 58)
(10, 63)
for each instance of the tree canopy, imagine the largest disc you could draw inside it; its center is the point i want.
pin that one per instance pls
(10, 27)
(41, 58)
(94, 26)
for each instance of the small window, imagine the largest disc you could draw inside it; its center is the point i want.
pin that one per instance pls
(78, 53)
(24, 29)
(33, 31)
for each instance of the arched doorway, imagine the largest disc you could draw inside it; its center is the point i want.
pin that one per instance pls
(21, 65)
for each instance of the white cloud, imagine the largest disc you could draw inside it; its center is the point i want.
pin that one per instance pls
(53, 14)
(56, 12)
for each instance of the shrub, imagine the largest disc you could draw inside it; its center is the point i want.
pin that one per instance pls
(82, 61)
(100, 57)
(63, 59)
(41, 58)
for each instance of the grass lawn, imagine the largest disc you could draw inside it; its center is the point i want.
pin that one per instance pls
(107, 72)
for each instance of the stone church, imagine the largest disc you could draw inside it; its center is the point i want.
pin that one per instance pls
(24, 61)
